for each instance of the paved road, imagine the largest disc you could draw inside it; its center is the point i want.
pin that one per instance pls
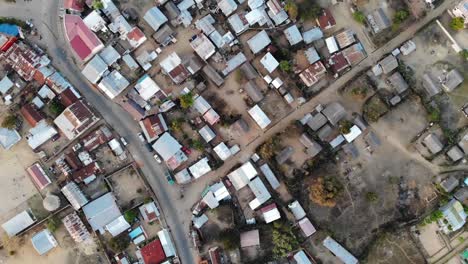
(177, 210)
(45, 17)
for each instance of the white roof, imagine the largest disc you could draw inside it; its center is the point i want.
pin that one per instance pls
(170, 62)
(259, 116)
(101, 211)
(306, 226)
(183, 176)
(131, 63)
(220, 191)
(94, 21)
(297, 210)
(277, 82)
(113, 84)
(166, 146)
(210, 200)
(201, 105)
(110, 55)
(337, 141)
(74, 195)
(301, 258)
(270, 176)
(43, 241)
(38, 102)
(117, 226)
(146, 87)
(269, 62)
(354, 132)
(41, 133)
(207, 133)
(8, 137)
(227, 6)
(293, 35)
(198, 222)
(242, 176)
(149, 208)
(46, 92)
(258, 42)
(260, 191)
(19, 222)
(222, 151)
(271, 215)
(237, 24)
(5, 85)
(155, 18)
(95, 69)
(339, 251)
(166, 242)
(331, 44)
(200, 168)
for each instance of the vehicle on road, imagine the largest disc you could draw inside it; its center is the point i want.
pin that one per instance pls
(141, 137)
(186, 150)
(157, 158)
(124, 142)
(169, 178)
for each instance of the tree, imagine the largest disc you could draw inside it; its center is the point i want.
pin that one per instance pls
(10, 121)
(359, 17)
(345, 126)
(197, 144)
(433, 217)
(309, 10)
(268, 149)
(230, 239)
(284, 240)
(323, 191)
(291, 8)
(119, 243)
(464, 54)
(285, 66)
(371, 197)
(130, 216)
(55, 107)
(53, 223)
(176, 125)
(400, 16)
(457, 23)
(97, 4)
(186, 100)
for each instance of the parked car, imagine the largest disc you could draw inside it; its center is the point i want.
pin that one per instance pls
(149, 147)
(169, 178)
(141, 137)
(124, 142)
(157, 158)
(186, 150)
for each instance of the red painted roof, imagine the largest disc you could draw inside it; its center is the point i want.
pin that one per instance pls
(82, 40)
(135, 34)
(85, 172)
(38, 175)
(31, 115)
(153, 253)
(338, 62)
(76, 5)
(326, 20)
(67, 97)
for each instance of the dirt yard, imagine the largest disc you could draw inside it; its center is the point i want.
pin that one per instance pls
(128, 188)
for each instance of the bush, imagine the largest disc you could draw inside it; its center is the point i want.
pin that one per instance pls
(55, 107)
(433, 114)
(345, 126)
(400, 16)
(176, 125)
(268, 149)
(119, 243)
(14, 21)
(97, 4)
(53, 224)
(372, 197)
(186, 100)
(291, 8)
(464, 54)
(130, 215)
(230, 239)
(197, 144)
(323, 191)
(10, 122)
(457, 23)
(284, 240)
(359, 17)
(309, 10)
(285, 66)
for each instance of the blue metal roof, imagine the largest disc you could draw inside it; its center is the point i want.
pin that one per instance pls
(9, 29)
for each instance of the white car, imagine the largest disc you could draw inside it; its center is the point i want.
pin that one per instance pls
(124, 142)
(141, 137)
(157, 158)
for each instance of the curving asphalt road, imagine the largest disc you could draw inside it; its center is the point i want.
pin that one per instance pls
(45, 15)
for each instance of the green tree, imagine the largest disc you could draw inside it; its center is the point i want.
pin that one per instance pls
(176, 125)
(457, 23)
(285, 66)
(10, 122)
(55, 107)
(230, 239)
(53, 223)
(345, 126)
(359, 17)
(291, 8)
(372, 197)
(97, 4)
(119, 243)
(400, 16)
(268, 149)
(464, 54)
(130, 215)
(186, 100)
(309, 10)
(197, 144)
(284, 239)
(433, 114)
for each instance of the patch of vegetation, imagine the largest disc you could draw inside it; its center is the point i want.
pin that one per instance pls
(176, 124)
(372, 197)
(407, 73)
(359, 17)
(186, 100)
(433, 114)
(345, 126)
(450, 135)
(309, 10)
(400, 16)
(269, 148)
(197, 144)
(433, 217)
(10, 121)
(130, 215)
(97, 4)
(14, 21)
(230, 238)
(360, 92)
(464, 54)
(55, 107)
(53, 223)
(457, 23)
(119, 243)
(324, 191)
(374, 108)
(292, 9)
(284, 239)
(238, 76)
(11, 244)
(285, 66)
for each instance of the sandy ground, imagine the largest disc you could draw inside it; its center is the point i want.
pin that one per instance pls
(128, 188)
(15, 185)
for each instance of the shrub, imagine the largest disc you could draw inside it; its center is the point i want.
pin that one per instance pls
(345, 126)
(268, 149)
(97, 4)
(372, 197)
(176, 125)
(10, 122)
(292, 9)
(14, 21)
(130, 215)
(53, 224)
(186, 100)
(400, 16)
(309, 10)
(56, 108)
(323, 191)
(284, 240)
(230, 239)
(359, 17)
(457, 23)
(433, 114)
(285, 66)
(464, 54)
(197, 144)
(119, 243)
